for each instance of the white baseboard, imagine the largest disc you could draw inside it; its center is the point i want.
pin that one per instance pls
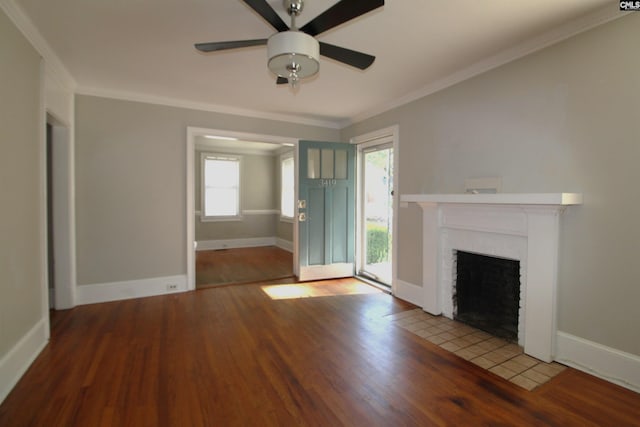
(103, 292)
(16, 362)
(605, 362)
(287, 245)
(207, 245)
(408, 292)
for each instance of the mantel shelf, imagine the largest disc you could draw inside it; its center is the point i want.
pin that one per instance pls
(558, 199)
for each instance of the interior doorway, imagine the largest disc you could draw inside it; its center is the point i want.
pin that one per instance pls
(233, 241)
(51, 280)
(60, 217)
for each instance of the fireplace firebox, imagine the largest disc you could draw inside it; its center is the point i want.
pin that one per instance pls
(486, 293)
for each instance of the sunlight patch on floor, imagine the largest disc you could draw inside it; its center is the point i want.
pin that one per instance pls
(314, 289)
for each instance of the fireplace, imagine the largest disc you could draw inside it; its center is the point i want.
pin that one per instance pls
(520, 227)
(486, 293)
(468, 229)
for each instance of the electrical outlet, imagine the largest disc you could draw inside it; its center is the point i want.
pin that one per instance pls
(172, 287)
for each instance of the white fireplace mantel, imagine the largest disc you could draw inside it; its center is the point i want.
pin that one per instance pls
(524, 227)
(550, 199)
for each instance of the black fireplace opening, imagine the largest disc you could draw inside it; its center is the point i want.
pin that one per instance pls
(486, 293)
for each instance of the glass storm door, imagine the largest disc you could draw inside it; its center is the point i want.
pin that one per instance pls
(326, 210)
(377, 213)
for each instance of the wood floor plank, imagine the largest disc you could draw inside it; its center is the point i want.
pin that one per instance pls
(237, 356)
(242, 265)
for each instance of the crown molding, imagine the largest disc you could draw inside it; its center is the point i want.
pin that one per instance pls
(556, 35)
(202, 106)
(53, 64)
(240, 150)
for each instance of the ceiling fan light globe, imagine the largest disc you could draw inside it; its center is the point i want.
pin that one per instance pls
(293, 49)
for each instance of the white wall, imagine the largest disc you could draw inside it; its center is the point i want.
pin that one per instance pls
(562, 119)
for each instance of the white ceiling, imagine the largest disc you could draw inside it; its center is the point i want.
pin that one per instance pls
(144, 49)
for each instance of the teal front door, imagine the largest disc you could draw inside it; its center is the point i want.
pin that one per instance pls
(326, 210)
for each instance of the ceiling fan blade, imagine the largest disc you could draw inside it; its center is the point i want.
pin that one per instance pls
(340, 13)
(267, 12)
(282, 81)
(350, 57)
(214, 46)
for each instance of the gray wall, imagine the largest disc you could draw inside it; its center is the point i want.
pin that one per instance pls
(284, 230)
(251, 226)
(258, 191)
(21, 275)
(564, 119)
(131, 184)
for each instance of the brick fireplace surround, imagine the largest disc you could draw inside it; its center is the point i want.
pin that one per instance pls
(523, 227)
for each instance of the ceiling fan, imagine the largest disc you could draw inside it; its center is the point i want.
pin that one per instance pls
(294, 52)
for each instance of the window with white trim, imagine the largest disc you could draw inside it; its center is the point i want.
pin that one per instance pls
(220, 183)
(287, 187)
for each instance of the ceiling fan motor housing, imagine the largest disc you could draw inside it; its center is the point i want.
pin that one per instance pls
(289, 50)
(293, 7)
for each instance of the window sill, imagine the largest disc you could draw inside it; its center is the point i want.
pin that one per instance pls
(286, 219)
(220, 218)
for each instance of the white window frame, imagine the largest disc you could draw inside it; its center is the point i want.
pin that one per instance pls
(283, 217)
(211, 218)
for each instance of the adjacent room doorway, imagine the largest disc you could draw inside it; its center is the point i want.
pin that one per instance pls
(61, 259)
(241, 249)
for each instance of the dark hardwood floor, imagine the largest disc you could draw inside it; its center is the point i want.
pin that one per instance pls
(242, 265)
(234, 355)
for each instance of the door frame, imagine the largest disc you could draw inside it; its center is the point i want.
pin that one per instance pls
(386, 135)
(192, 133)
(364, 149)
(63, 213)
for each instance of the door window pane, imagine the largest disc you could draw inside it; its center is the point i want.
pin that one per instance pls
(327, 164)
(313, 163)
(341, 164)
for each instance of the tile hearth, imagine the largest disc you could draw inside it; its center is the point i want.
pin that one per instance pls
(500, 357)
